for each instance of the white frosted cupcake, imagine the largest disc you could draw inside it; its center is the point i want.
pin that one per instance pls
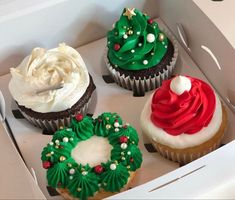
(184, 119)
(51, 86)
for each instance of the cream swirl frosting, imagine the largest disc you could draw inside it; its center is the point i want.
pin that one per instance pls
(49, 80)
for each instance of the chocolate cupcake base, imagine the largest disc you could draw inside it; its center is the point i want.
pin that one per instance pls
(52, 121)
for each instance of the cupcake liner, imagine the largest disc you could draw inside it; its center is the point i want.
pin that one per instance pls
(138, 85)
(51, 125)
(186, 155)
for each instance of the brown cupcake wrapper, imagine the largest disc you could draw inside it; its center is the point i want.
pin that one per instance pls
(138, 85)
(50, 125)
(186, 155)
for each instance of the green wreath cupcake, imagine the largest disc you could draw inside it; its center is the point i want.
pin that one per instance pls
(93, 158)
(139, 55)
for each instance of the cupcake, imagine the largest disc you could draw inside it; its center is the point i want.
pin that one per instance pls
(184, 119)
(51, 86)
(92, 158)
(139, 55)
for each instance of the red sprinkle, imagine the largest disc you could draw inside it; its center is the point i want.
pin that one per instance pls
(46, 164)
(131, 160)
(98, 169)
(79, 117)
(116, 47)
(99, 120)
(150, 21)
(125, 126)
(123, 139)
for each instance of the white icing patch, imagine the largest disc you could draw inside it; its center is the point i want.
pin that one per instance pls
(180, 84)
(183, 140)
(92, 151)
(48, 71)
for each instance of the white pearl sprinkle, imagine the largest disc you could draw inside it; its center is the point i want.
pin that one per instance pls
(125, 36)
(145, 62)
(150, 38)
(128, 153)
(124, 145)
(123, 158)
(163, 43)
(71, 139)
(116, 129)
(122, 153)
(152, 53)
(79, 189)
(52, 152)
(72, 171)
(165, 46)
(113, 166)
(57, 141)
(116, 124)
(138, 32)
(140, 44)
(132, 51)
(51, 143)
(99, 185)
(71, 177)
(65, 139)
(84, 173)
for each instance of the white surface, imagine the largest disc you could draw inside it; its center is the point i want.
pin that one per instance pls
(110, 97)
(202, 176)
(99, 151)
(16, 181)
(222, 14)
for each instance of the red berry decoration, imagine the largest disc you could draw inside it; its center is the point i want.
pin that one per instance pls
(79, 117)
(116, 47)
(98, 169)
(131, 160)
(125, 126)
(150, 21)
(123, 139)
(46, 164)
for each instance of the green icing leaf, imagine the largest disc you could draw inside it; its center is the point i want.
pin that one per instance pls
(114, 180)
(104, 124)
(127, 131)
(131, 156)
(84, 183)
(84, 128)
(57, 175)
(140, 28)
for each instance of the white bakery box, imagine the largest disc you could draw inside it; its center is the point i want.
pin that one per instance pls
(206, 36)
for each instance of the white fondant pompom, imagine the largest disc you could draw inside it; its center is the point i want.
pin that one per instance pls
(150, 38)
(180, 84)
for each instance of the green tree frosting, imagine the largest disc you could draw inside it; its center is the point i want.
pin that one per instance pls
(136, 42)
(84, 181)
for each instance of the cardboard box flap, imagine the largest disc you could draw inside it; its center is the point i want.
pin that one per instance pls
(2, 108)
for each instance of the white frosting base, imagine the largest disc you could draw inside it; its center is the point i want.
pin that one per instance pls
(93, 151)
(184, 140)
(49, 69)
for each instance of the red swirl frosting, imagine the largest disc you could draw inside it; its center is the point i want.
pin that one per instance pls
(186, 113)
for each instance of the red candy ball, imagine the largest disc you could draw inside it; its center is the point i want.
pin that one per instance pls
(123, 139)
(150, 21)
(98, 169)
(79, 117)
(131, 160)
(46, 164)
(116, 47)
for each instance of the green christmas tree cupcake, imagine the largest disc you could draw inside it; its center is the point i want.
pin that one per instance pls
(139, 55)
(93, 158)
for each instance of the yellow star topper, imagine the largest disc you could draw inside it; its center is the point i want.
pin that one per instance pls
(129, 13)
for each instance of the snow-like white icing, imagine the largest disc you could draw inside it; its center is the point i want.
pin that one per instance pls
(183, 140)
(180, 84)
(50, 81)
(92, 151)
